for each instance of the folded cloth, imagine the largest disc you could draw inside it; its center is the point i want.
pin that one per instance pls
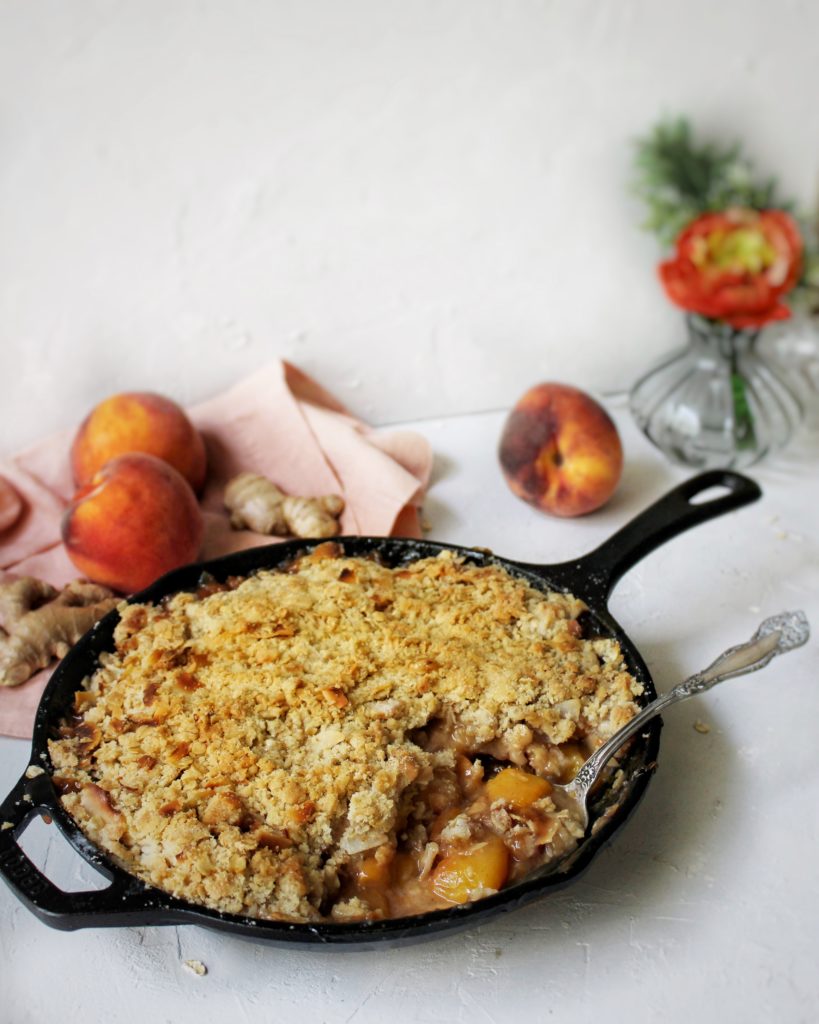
(277, 422)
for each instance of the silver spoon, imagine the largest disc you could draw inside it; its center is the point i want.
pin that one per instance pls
(776, 635)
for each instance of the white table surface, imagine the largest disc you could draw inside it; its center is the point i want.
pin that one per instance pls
(706, 906)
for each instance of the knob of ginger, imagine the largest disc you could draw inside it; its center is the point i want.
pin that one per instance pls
(39, 623)
(256, 503)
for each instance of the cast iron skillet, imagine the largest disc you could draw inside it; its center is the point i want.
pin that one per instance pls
(128, 901)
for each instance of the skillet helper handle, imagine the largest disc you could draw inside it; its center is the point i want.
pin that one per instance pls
(122, 902)
(673, 514)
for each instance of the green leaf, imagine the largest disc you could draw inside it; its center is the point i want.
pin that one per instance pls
(680, 179)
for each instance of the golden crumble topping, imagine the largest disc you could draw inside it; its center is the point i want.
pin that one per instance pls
(342, 739)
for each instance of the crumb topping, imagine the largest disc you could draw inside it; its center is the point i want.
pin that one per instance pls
(242, 747)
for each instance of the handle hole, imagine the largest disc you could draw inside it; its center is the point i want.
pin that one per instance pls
(51, 853)
(709, 494)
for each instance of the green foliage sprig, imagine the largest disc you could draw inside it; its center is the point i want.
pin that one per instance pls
(679, 178)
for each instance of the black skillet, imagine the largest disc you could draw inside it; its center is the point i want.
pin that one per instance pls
(128, 901)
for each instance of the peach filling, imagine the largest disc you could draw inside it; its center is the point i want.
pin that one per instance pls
(486, 825)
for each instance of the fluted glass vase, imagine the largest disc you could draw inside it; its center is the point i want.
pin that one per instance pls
(716, 403)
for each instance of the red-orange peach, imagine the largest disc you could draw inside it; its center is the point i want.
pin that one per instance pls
(138, 421)
(560, 450)
(137, 519)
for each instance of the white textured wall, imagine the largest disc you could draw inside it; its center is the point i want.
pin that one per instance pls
(422, 202)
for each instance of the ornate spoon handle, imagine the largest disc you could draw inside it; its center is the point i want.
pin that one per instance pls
(776, 635)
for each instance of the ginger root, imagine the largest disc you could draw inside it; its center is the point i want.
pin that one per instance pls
(256, 503)
(38, 623)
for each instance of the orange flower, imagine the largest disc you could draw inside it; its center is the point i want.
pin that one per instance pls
(735, 266)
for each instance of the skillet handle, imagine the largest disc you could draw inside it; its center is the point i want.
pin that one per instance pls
(674, 513)
(125, 901)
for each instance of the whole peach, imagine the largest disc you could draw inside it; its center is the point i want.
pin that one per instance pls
(138, 421)
(560, 450)
(137, 519)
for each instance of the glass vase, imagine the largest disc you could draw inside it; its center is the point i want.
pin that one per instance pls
(716, 403)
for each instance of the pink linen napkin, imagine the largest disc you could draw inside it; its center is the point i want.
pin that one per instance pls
(277, 422)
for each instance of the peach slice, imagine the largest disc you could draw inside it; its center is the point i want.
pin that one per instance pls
(463, 876)
(518, 788)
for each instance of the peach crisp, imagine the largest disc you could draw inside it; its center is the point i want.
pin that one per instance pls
(341, 740)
